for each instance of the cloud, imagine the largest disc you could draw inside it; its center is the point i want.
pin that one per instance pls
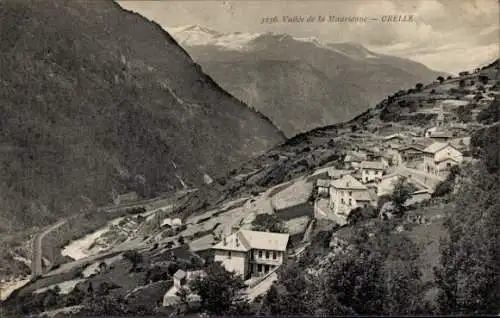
(448, 28)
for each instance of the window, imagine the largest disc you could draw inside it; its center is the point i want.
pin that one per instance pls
(259, 268)
(350, 201)
(274, 255)
(342, 200)
(267, 255)
(229, 254)
(350, 193)
(260, 253)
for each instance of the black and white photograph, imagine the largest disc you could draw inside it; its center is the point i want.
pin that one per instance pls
(249, 158)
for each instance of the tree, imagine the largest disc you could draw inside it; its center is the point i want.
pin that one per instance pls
(360, 213)
(183, 294)
(440, 79)
(134, 257)
(485, 145)
(464, 114)
(105, 306)
(155, 274)
(268, 222)
(270, 303)
(419, 87)
(469, 272)
(181, 240)
(484, 79)
(461, 83)
(402, 192)
(491, 114)
(449, 77)
(379, 275)
(446, 187)
(295, 294)
(220, 291)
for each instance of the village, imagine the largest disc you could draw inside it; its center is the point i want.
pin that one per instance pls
(421, 157)
(254, 236)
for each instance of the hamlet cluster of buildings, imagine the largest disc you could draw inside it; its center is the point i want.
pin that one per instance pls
(371, 169)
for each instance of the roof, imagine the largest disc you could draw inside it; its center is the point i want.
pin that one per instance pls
(415, 147)
(334, 174)
(376, 165)
(440, 134)
(323, 183)
(392, 136)
(362, 196)
(244, 240)
(180, 274)
(348, 182)
(447, 159)
(437, 146)
(351, 158)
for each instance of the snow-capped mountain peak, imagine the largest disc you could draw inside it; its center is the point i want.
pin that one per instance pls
(197, 35)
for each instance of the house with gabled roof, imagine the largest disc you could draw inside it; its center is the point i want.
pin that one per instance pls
(251, 253)
(410, 155)
(441, 156)
(441, 136)
(371, 170)
(346, 194)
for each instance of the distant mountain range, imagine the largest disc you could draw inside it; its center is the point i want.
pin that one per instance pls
(299, 83)
(97, 100)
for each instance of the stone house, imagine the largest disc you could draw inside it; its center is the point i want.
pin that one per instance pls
(347, 193)
(251, 253)
(441, 156)
(371, 170)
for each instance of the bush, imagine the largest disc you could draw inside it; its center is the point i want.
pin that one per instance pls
(491, 114)
(446, 187)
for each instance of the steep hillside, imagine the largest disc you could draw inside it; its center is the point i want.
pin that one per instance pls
(299, 83)
(404, 251)
(96, 99)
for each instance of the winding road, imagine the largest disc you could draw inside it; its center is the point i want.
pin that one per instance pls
(36, 261)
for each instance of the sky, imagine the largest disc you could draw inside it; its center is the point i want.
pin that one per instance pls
(446, 35)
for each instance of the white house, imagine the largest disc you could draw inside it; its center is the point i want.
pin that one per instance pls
(441, 156)
(323, 186)
(251, 253)
(181, 281)
(347, 193)
(371, 170)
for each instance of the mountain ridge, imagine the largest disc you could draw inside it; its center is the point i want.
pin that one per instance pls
(92, 114)
(353, 76)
